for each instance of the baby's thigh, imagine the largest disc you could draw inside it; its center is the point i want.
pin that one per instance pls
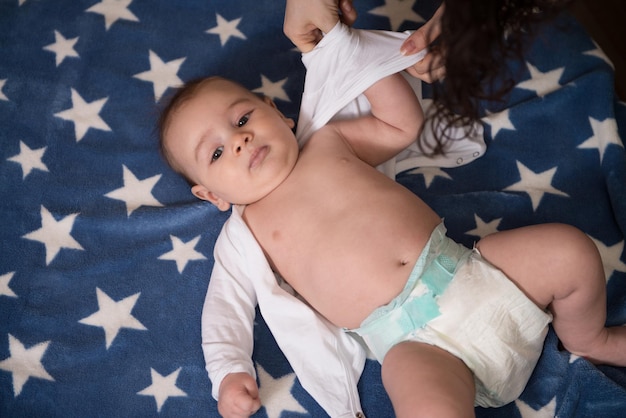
(545, 261)
(423, 380)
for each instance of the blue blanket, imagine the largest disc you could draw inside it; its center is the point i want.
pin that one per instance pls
(105, 256)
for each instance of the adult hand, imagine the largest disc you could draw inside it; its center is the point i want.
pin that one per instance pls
(238, 396)
(307, 20)
(432, 67)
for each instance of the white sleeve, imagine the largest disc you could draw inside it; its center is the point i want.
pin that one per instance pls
(327, 361)
(228, 317)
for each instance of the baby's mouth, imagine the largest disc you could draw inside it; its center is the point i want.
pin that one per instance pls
(258, 155)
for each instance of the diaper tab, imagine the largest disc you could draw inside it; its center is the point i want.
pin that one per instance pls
(417, 304)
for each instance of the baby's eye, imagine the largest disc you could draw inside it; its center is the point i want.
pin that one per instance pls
(244, 119)
(217, 154)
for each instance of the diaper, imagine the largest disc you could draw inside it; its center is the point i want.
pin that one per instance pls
(457, 301)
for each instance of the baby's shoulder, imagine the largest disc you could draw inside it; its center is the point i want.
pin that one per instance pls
(326, 138)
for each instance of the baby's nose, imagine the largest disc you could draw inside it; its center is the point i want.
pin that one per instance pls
(240, 142)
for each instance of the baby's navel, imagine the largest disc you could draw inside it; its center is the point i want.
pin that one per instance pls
(276, 235)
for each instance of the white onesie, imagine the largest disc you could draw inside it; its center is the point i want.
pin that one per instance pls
(343, 65)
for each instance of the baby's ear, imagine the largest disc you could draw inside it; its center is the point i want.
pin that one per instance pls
(203, 193)
(290, 123)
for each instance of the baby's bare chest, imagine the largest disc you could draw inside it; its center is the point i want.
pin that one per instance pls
(340, 224)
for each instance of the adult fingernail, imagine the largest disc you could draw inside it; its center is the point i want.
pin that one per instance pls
(408, 47)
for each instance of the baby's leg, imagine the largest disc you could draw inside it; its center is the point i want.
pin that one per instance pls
(559, 267)
(426, 381)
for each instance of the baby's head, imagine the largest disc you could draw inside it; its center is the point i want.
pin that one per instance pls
(231, 145)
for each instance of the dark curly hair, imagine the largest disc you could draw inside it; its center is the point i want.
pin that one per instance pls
(479, 37)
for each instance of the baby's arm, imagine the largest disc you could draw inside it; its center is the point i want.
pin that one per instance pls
(395, 121)
(227, 333)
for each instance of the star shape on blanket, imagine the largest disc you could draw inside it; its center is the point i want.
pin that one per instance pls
(599, 53)
(2, 95)
(604, 134)
(226, 29)
(163, 387)
(397, 11)
(25, 363)
(136, 193)
(112, 316)
(162, 74)
(276, 394)
(542, 83)
(62, 48)
(29, 159)
(536, 185)
(84, 115)
(484, 228)
(611, 257)
(113, 10)
(546, 411)
(499, 121)
(183, 252)
(430, 173)
(5, 290)
(273, 90)
(54, 235)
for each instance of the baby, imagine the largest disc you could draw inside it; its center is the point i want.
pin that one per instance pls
(452, 327)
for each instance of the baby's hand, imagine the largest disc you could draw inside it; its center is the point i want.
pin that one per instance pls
(239, 396)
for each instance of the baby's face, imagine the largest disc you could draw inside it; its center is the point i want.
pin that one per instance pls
(235, 146)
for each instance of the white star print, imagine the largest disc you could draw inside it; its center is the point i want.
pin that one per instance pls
(226, 28)
(542, 83)
(546, 411)
(535, 184)
(5, 290)
(573, 358)
(84, 115)
(54, 235)
(611, 257)
(604, 134)
(2, 96)
(136, 193)
(599, 53)
(273, 90)
(162, 74)
(29, 159)
(276, 393)
(113, 316)
(113, 10)
(25, 363)
(484, 228)
(62, 47)
(397, 11)
(499, 121)
(182, 252)
(162, 387)
(430, 173)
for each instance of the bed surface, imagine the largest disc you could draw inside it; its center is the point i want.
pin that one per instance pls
(105, 255)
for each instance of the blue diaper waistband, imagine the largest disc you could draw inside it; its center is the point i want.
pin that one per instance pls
(417, 304)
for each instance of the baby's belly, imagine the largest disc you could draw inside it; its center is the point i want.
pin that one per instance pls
(359, 265)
